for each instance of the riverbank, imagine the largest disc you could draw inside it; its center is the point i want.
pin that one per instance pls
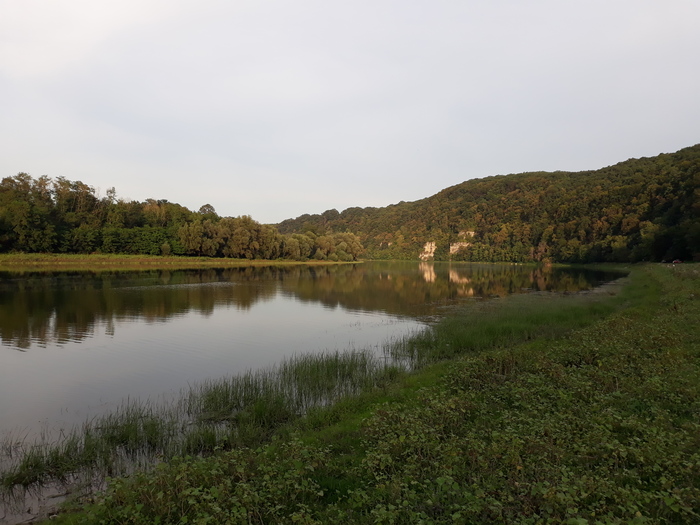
(581, 408)
(47, 262)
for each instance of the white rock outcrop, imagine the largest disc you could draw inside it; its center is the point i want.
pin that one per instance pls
(428, 251)
(456, 246)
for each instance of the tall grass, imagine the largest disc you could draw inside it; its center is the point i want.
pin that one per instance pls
(503, 322)
(290, 388)
(223, 413)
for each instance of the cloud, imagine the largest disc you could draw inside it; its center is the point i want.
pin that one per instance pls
(43, 37)
(279, 108)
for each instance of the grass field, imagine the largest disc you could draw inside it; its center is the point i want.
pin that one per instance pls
(46, 262)
(544, 409)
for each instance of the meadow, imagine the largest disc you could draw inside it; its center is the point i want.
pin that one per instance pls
(96, 262)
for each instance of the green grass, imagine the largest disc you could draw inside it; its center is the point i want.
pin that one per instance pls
(579, 409)
(502, 323)
(48, 262)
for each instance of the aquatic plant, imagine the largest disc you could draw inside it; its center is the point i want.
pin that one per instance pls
(216, 414)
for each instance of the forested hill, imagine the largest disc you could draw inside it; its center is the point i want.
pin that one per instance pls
(640, 209)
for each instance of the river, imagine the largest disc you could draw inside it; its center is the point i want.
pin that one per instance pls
(76, 344)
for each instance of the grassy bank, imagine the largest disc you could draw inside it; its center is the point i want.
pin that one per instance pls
(46, 262)
(576, 409)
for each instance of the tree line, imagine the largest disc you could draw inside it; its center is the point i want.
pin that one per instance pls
(63, 216)
(645, 209)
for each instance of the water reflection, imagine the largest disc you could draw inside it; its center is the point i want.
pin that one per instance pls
(56, 309)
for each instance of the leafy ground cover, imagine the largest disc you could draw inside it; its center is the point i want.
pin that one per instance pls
(597, 424)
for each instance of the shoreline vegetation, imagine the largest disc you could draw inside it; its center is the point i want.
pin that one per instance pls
(50, 262)
(47, 215)
(578, 408)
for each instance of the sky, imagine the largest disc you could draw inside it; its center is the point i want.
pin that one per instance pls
(276, 108)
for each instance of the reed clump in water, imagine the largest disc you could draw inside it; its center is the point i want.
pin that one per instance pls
(224, 413)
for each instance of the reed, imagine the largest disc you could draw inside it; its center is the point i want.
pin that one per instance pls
(501, 323)
(224, 413)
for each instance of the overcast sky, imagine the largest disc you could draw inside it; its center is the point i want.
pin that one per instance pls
(275, 108)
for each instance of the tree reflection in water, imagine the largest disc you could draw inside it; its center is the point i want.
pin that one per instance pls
(57, 308)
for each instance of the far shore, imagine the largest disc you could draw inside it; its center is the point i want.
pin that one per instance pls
(47, 262)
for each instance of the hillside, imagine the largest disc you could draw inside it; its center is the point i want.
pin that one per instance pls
(639, 209)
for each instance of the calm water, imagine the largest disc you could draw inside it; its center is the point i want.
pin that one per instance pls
(76, 344)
